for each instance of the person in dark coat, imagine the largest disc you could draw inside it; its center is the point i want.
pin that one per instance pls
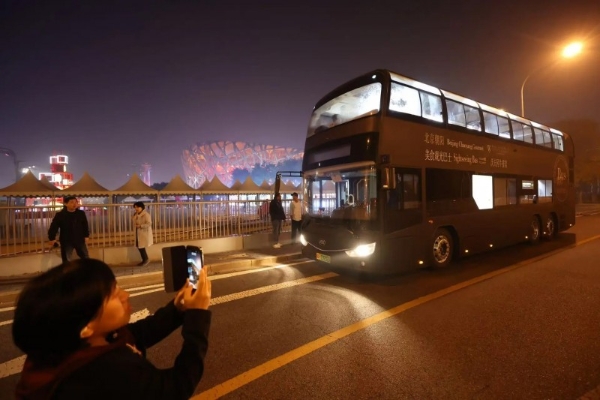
(74, 230)
(277, 217)
(72, 322)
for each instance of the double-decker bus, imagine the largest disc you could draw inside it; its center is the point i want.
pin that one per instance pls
(399, 174)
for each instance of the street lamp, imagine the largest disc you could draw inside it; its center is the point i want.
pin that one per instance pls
(570, 51)
(10, 153)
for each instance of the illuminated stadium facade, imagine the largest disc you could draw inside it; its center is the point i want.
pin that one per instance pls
(203, 161)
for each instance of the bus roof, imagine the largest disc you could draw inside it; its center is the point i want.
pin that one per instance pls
(452, 96)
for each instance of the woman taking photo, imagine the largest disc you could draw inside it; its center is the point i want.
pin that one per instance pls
(143, 231)
(72, 322)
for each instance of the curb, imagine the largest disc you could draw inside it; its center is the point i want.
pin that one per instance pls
(157, 276)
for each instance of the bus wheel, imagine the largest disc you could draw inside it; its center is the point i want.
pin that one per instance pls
(442, 248)
(535, 230)
(550, 227)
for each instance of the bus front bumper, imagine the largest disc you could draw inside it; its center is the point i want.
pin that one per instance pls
(339, 259)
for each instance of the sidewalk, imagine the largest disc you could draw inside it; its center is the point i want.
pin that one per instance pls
(216, 263)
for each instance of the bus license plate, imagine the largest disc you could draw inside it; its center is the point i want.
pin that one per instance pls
(323, 257)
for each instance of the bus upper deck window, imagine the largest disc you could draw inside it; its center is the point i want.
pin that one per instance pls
(456, 113)
(431, 106)
(405, 99)
(490, 122)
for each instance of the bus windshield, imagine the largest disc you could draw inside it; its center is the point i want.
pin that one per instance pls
(357, 103)
(343, 194)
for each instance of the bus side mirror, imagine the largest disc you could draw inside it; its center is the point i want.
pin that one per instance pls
(388, 178)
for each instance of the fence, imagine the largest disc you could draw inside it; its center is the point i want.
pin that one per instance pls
(24, 230)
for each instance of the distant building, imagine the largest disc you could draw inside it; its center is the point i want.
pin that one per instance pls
(204, 161)
(145, 169)
(58, 175)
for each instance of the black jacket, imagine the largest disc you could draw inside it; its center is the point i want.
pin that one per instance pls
(73, 227)
(119, 372)
(276, 211)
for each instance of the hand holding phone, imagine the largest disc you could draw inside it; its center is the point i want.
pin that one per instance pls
(189, 298)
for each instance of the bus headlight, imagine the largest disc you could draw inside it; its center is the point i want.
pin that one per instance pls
(363, 250)
(302, 240)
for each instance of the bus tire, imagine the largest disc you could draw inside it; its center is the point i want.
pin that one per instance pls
(535, 230)
(442, 248)
(550, 227)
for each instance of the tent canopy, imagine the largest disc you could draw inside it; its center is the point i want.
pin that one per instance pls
(215, 187)
(86, 186)
(178, 186)
(134, 187)
(250, 187)
(30, 186)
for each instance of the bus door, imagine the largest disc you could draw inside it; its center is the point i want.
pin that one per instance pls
(403, 213)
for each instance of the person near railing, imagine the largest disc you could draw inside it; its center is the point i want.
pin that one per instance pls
(72, 225)
(143, 231)
(277, 217)
(296, 216)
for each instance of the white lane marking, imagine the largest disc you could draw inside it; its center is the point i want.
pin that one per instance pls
(251, 271)
(147, 292)
(15, 366)
(270, 288)
(217, 277)
(253, 292)
(133, 289)
(159, 286)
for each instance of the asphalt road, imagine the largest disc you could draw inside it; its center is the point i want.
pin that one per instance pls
(516, 323)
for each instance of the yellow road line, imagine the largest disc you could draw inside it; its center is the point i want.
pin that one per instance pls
(278, 362)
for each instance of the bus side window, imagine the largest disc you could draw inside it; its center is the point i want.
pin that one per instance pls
(527, 192)
(456, 113)
(473, 119)
(431, 106)
(504, 127)
(405, 99)
(490, 122)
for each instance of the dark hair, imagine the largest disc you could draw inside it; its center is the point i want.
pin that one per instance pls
(55, 306)
(294, 194)
(139, 204)
(67, 199)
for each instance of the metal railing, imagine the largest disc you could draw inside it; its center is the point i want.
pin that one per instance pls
(24, 230)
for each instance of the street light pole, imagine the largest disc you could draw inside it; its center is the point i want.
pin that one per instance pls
(10, 153)
(568, 52)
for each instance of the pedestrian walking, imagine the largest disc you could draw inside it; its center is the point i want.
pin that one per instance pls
(143, 231)
(72, 226)
(72, 322)
(277, 217)
(296, 216)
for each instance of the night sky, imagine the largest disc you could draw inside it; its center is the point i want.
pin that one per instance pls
(113, 84)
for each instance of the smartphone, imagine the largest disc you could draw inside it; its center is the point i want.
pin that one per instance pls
(195, 262)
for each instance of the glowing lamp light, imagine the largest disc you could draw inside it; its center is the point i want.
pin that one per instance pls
(363, 250)
(572, 50)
